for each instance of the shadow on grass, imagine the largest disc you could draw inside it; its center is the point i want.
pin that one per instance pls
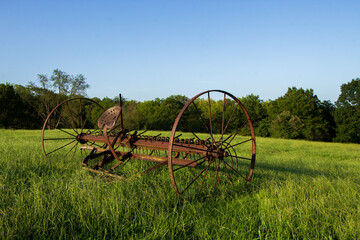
(282, 172)
(223, 195)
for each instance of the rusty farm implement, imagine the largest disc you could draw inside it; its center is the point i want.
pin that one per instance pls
(212, 142)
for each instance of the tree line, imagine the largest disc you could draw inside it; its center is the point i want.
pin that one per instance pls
(298, 114)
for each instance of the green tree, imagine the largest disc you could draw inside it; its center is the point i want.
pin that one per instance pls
(30, 102)
(54, 89)
(11, 114)
(263, 129)
(166, 112)
(254, 107)
(286, 125)
(131, 115)
(256, 110)
(299, 114)
(146, 111)
(347, 113)
(63, 83)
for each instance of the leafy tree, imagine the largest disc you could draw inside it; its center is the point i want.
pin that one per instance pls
(30, 102)
(254, 107)
(131, 115)
(46, 100)
(347, 113)
(146, 111)
(63, 83)
(263, 129)
(11, 114)
(286, 125)
(55, 89)
(166, 113)
(256, 110)
(302, 114)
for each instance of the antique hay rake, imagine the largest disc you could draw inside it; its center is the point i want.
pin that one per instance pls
(211, 145)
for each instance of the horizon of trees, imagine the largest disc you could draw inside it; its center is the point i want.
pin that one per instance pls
(298, 114)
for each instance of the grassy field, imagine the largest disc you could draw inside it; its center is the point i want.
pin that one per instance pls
(300, 189)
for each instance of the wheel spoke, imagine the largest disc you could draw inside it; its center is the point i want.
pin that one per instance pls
(227, 138)
(188, 164)
(216, 177)
(71, 125)
(188, 147)
(64, 119)
(241, 157)
(236, 144)
(61, 147)
(211, 130)
(222, 122)
(231, 116)
(222, 130)
(189, 128)
(54, 127)
(81, 116)
(58, 138)
(202, 182)
(75, 150)
(71, 148)
(242, 125)
(235, 171)
(229, 177)
(72, 117)
(197, 177)
(87, 115)
(200, 116)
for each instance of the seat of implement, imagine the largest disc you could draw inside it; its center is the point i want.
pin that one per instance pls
(109, 117)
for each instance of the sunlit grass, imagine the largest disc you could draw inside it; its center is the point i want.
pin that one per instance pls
(300, 189)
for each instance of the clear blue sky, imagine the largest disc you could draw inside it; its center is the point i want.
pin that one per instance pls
(148, 49)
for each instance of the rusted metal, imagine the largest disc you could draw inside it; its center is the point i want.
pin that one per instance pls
(197, 163)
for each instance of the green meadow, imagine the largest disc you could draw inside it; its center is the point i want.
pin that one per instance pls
(300, 190)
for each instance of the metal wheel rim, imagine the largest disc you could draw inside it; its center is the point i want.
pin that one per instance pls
(179, 191)
(74, 133)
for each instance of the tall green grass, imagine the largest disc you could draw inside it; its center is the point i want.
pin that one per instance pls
(300, 189)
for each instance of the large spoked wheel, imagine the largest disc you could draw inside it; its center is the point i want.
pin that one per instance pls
(66, 123)
(223, 149)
